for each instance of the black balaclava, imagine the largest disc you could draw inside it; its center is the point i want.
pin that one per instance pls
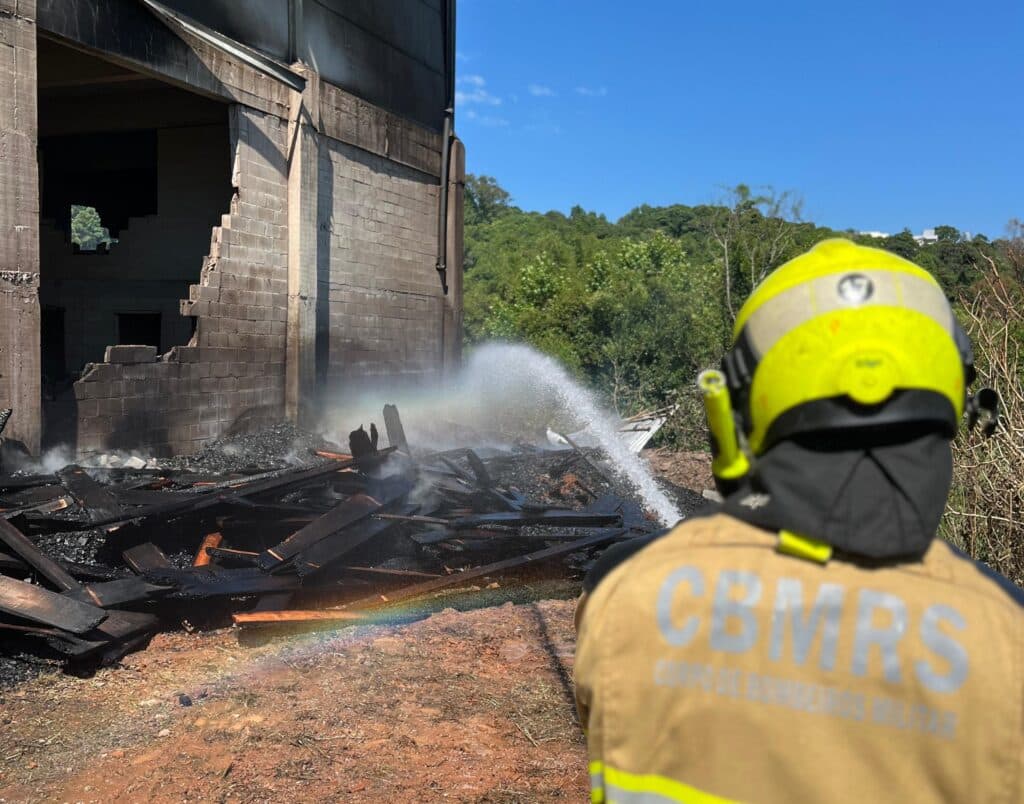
(878, 502)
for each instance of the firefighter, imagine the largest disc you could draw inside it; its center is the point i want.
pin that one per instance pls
(810, 639)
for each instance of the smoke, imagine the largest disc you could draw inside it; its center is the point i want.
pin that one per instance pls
(506, 394)
(52, 460)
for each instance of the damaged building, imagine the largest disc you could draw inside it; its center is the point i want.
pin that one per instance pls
(218, 213)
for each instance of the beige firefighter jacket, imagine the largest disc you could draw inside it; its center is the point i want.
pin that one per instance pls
(710, 668)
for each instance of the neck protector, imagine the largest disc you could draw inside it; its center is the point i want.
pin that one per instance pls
(878, 502)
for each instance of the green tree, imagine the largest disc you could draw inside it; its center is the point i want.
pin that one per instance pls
(485, 199)
(637, 307)
(87, 230)
(754, 234)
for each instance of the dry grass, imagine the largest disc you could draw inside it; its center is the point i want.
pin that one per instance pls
(985, 515)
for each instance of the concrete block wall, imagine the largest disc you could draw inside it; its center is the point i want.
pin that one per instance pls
(19, 223)
(377, 250)
(230, 377)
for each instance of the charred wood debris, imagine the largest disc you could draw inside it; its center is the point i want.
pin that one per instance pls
(95, 560)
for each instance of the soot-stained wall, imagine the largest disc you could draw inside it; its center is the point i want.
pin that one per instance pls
(378, 227)
(230, 378)
(320, 272)
(157, 255)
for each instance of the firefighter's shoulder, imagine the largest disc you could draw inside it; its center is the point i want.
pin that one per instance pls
(704, 527)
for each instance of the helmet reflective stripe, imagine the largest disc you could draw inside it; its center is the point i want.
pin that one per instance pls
(797, 305)
(846, 337)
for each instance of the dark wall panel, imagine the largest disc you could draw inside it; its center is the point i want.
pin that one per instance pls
(388, 52)
(400, 73)
(262, 24)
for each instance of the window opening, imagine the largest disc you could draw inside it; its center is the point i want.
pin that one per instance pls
(88, 234)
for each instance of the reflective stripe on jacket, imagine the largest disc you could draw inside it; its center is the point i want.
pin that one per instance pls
(712, 668)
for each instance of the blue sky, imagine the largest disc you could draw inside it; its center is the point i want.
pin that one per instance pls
(880, 115)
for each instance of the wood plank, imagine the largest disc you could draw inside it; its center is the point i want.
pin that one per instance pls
(43, 606)
(9, 563)
(425, 588)
(241, 556)
(121, 633)
(277, 601)
(395, 431)
(329, 551)
(356, 508)
(276, 481)
(202, 555)
(208, 582)
(552, 518)
(32, 496)
(10, 483)
(48, 507)
(95, 499)
(333, 456)
(148, 496)
(483, 477)
(395, 572)
(19, 544)
(295, 616)
(145, 557)
(122, 592)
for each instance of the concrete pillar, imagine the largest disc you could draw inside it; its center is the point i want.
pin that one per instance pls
(303, 201)
(453, 301)
(20, 362)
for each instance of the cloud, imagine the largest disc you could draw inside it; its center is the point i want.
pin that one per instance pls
(486, 120)
(592, 92)
(541, 91)
(475, 92)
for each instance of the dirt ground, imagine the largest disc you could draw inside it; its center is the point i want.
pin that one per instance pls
(688, 470)
(471, 706)
(462, 706)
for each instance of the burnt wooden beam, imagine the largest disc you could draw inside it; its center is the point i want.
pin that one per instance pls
(394, 428)
(11, 483)
(39, 605)
(207, 582)
(555, 519)
(47, 507)
(354, 509)
(483, 477)
(425, 588)
(145, 557)
(346, 513)
(119, 634)
(23, 548)
(203, 554)
(329, 551)
(95, 499)
(278, 481)
(122, 592)
(392, 572)
(295, 616)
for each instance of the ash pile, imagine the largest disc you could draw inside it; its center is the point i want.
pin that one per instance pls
(285, 528)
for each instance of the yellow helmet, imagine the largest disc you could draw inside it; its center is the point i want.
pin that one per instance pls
(842, 337)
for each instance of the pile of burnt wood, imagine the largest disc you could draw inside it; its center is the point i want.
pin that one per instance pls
(330, 540)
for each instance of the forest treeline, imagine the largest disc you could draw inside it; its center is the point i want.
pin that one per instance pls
(638, 306)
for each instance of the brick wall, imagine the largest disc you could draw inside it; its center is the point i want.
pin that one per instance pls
(230, 378)
(377, 249)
